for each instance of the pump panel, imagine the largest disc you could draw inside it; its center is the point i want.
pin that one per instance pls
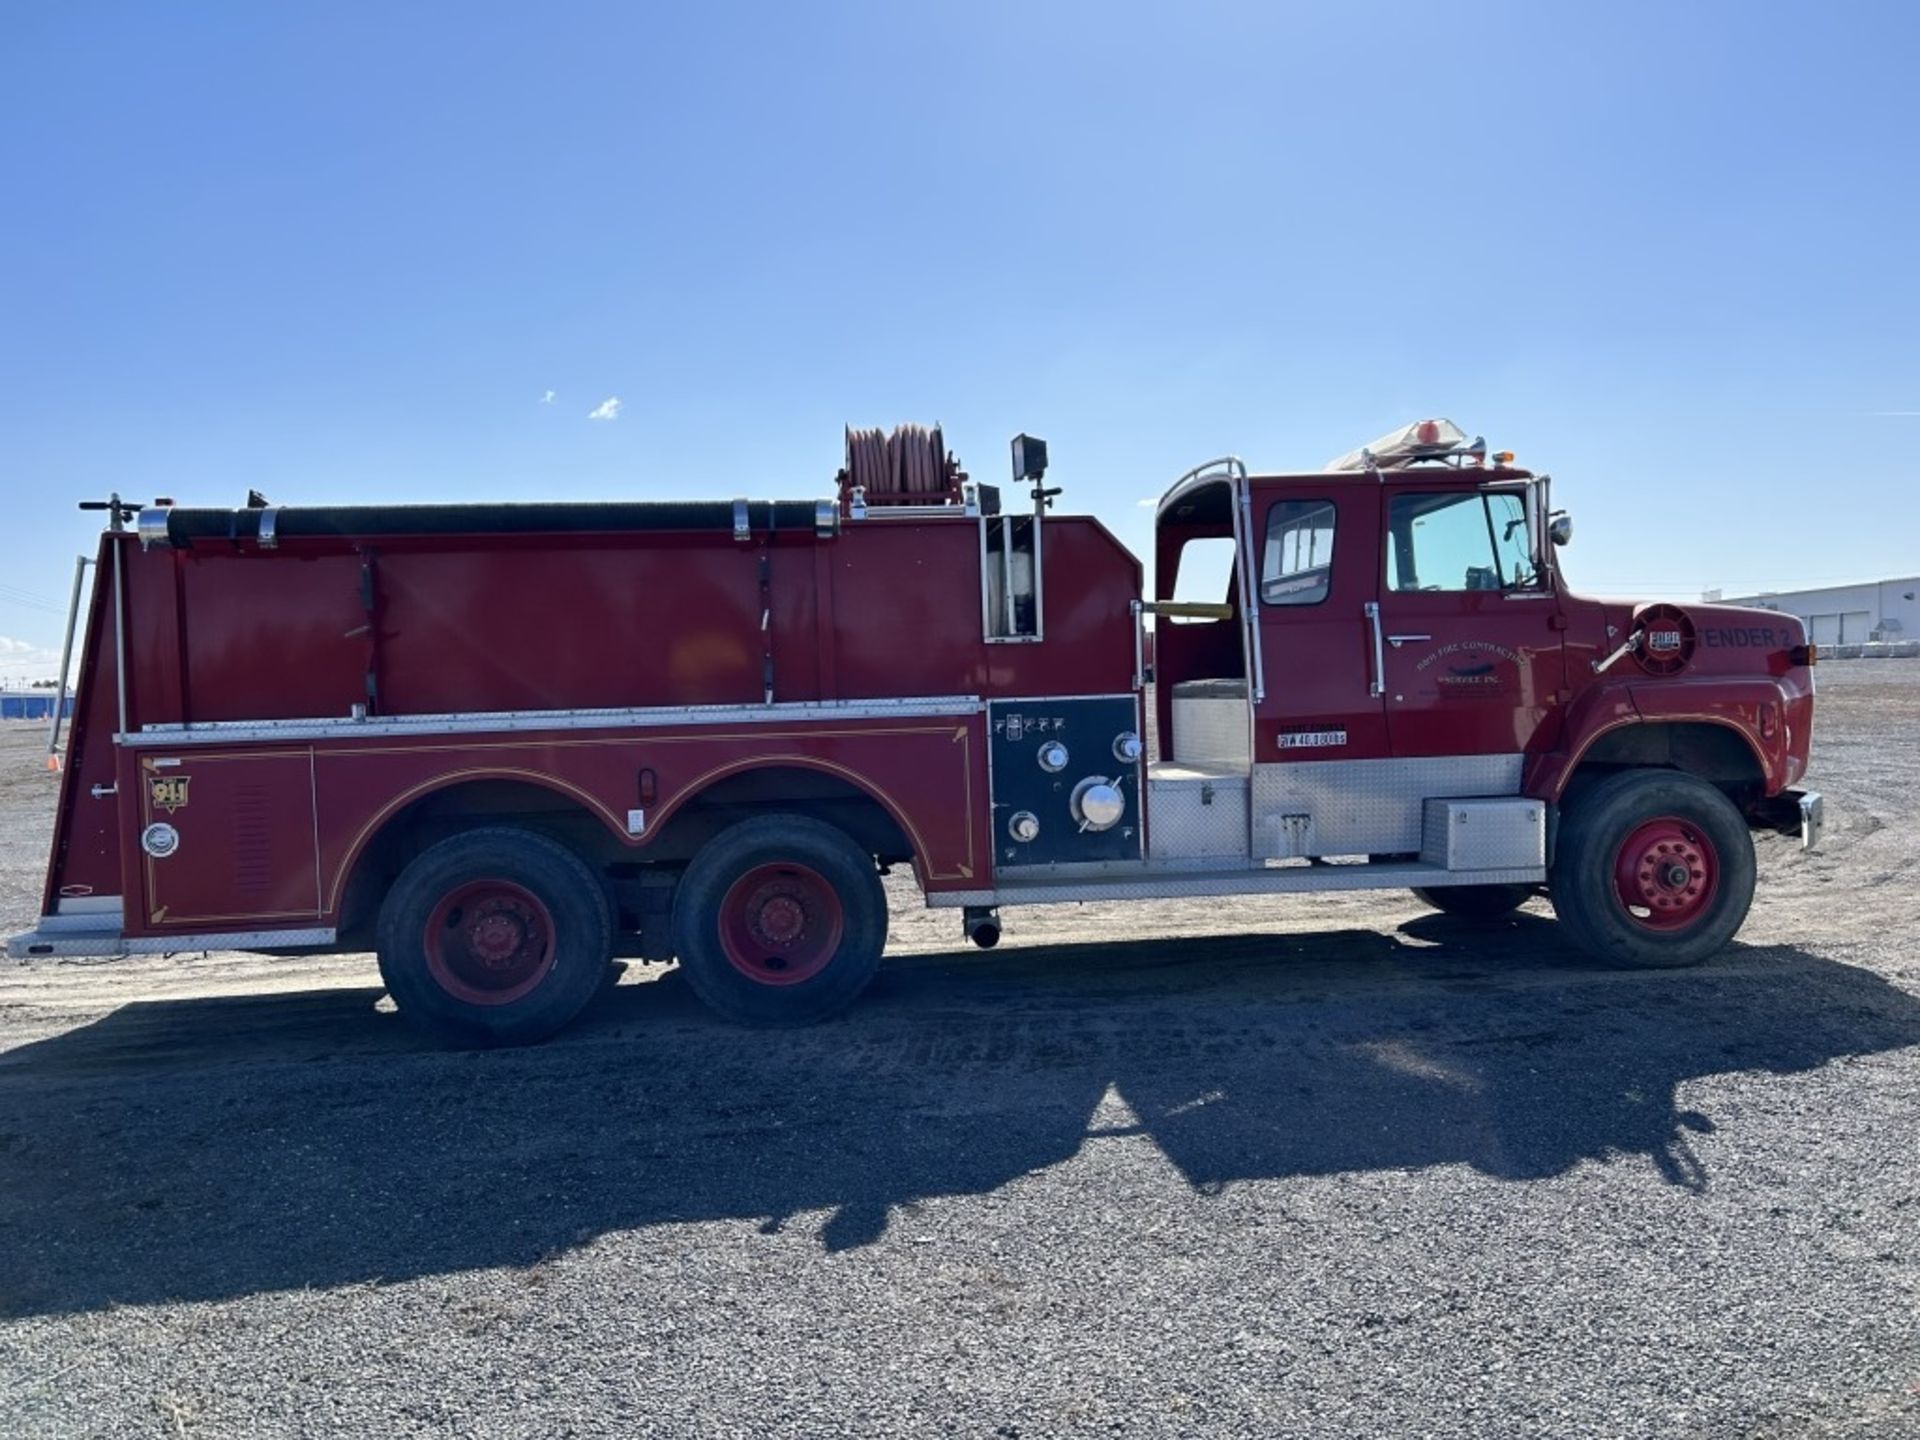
(1060, 780)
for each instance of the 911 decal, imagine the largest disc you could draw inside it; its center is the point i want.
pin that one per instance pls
(1309, 739)
(168, 792)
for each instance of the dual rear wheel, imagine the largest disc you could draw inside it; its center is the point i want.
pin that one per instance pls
(501, 936)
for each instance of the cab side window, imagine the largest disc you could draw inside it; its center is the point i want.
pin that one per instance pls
(1296, 565)
(1462, 540)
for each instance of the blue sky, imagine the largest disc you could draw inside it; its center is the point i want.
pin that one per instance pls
(341, 253)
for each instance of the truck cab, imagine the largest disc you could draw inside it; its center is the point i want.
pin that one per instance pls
(1395, 678)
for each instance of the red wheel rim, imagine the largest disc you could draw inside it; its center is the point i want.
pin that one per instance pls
(489, 942)
(781, 924)
(1666, 873)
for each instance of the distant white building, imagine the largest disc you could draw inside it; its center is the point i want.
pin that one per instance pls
(1849, 614)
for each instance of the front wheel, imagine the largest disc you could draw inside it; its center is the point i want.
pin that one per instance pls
(780, 920)
(1653, 868)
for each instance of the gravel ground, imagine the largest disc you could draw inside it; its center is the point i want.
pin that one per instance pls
(1263, 1168)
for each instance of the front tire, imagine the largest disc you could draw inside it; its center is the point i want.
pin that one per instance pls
(498, 936)
(780, 920)
(1475, 902)
(1654, 868)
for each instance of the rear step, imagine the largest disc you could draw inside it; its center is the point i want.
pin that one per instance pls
(59, 936)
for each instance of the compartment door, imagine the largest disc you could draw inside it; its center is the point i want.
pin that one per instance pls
(227, 840)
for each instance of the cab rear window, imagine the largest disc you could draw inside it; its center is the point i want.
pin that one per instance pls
(1296, 566)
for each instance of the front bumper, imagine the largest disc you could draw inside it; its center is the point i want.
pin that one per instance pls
(1812, 817)
(1791, 812)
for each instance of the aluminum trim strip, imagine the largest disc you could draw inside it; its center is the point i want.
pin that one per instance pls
(41, 945)
(226, 732)
(1282, 880)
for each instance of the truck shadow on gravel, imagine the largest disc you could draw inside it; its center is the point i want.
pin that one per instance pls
(203, 1149)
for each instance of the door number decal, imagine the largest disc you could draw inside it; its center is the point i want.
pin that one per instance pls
(1310, 739)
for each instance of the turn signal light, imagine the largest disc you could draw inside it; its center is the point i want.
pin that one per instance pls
(1808, 654)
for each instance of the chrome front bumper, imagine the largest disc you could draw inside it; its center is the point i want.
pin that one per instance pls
(1812, 817)
(1791, 812)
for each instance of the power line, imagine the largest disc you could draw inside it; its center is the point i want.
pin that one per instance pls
(13, 595)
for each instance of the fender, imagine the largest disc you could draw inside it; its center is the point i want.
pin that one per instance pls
(1742, 706)
(795, 760)
(447, 780)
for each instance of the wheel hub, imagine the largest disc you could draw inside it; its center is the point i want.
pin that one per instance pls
(780, 923)
(1666, 873)
(781, 920)
(490, 942)
(496, 937)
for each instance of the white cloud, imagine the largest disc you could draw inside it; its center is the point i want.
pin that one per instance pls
(546, 398)
(1890, 414)
(22, 660)
(607, 409)
(1148, 503)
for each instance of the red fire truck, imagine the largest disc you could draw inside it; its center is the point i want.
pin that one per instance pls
(500, 744)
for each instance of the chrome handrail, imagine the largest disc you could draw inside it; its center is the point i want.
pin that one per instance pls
(1231, 467)
(80, 564)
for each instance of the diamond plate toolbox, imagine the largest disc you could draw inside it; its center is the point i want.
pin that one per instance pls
(1484, 834)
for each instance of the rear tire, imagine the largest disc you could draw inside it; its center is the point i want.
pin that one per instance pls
(1476, 902)
(498, 936)
(1653, 868)
(780, 920)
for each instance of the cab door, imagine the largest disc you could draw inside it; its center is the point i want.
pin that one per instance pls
(1470, 626)
(1317, 548)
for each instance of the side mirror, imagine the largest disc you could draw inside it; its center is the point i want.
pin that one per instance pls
(1560, 528)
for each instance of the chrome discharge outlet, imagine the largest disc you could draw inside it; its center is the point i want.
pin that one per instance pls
(1097, 803)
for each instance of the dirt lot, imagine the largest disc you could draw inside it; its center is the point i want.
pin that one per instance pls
(1265, 1168)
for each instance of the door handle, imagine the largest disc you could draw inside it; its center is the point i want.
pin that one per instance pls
(1377, 684)
(1398, 640)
